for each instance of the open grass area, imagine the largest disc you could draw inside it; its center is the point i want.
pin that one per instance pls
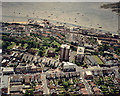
(55, 43)
(61, 89)
(35, 48)
(52, 49)
(45, 38)
(25, 45)
(1, 43)
(98, 59)
(19, 45)
(11, 46)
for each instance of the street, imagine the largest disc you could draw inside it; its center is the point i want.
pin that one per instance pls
(44, 82)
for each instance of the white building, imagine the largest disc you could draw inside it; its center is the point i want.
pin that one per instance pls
(67, 66)
(7, 70)
(88, 75)
(4, 85)
(80, 50)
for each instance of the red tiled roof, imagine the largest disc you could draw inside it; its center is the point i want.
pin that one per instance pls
(48, 32)
(36, 77)
(30, 76)
(38, 87)
(96, 89)
(116, 56)
(45, 35)
(92, 84)
(84, 91)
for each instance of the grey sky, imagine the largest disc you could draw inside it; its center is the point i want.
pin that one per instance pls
(59, 0)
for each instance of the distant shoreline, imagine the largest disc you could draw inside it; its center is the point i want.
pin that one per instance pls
(114, 6)
(68, 24)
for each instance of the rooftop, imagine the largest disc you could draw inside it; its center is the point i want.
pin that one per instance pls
(7, 69)
(88, 73)
(65, 46)
(68, 64)
(80, 50)
(4, 81)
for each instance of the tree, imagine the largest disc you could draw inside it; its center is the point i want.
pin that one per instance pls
(38, 45)
(105, 47)
(78, 63)
(31, 34)
(29, 93)
(52, 38)
(73, 61)
(59, 82)
(22, 44)
(5, 38)
(57, 49)
(42, 48)
(33, 44)
(52, 45)
(73, 48)
(41, 53)
(5, 44)
(65, 84)
(55, 46)
(45, 43)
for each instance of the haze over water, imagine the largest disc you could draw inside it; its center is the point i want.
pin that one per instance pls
(79, 13)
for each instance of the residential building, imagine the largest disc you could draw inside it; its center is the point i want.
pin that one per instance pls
(5, 85)
(7, 70)
(68, 67)
(80, 55)
(51, 53)
(64, 52)
(88, 75)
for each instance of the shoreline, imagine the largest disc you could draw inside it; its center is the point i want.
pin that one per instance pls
(54, 21)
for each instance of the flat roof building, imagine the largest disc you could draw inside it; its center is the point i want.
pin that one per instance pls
(79, 58)
(7, 70)
(67, 66)
(88, 75)
(5, 85)
(80, 50)
(64, 52)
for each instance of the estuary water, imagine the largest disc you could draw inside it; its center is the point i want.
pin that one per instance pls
(88, 14)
